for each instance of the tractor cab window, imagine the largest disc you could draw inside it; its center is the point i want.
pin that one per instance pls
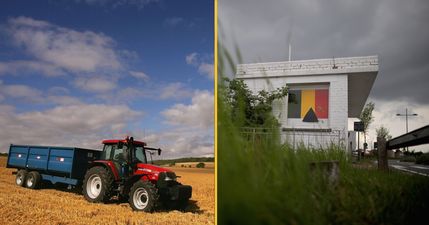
(106, 154)
(140, 154)
(119, 154)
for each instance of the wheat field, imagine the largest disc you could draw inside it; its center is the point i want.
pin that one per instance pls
(56, 205)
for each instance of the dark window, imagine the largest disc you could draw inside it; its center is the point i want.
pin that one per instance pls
(106, 155)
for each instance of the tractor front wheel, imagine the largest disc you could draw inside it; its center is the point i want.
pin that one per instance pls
(97, 185)
(143, 196)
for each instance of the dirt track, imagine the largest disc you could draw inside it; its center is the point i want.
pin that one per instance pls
(56, 205)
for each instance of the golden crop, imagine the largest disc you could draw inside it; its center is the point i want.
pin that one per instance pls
(56, 205)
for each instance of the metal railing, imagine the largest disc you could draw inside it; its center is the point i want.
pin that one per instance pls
(309, 138)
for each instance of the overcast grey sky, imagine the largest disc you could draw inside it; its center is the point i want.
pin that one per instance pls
(397, 31)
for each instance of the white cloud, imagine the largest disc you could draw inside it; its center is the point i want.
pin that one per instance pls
(124, 95)
(175, 90)
(139, 4)
(182, 22)
(21, 66)
(192, 59)
(58, 48)
(198, 114)
(93, 2)
(181, 142)
(207, 69)
(174, 21)
(55, 95)
(21, 92)
(73, 125)
(140, 75)
(63, 100)
(192, 145)
(95, 84)
(199, 62)
(58, 90)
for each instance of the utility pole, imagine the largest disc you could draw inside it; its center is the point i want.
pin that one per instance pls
(406, 119)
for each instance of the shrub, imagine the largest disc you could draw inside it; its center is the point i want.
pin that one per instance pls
(423, 159)
(201, 165)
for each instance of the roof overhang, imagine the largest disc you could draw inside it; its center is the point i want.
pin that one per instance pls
(361, 73)
(359, 87)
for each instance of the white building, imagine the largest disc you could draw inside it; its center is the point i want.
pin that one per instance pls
(324, 93)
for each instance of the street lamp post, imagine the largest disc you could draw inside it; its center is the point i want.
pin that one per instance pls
(406, 119)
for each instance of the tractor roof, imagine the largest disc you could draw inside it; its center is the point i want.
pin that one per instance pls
(115, 141)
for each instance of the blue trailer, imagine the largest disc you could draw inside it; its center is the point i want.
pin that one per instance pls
(66, 165)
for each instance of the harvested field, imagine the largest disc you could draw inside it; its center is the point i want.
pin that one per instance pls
(56, 205)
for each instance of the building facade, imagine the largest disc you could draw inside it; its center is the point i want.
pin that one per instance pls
(323, 94)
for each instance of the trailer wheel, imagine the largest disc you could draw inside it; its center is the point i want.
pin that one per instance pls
(143, 196)
(21, 175)
(97, 184)
(33, 180)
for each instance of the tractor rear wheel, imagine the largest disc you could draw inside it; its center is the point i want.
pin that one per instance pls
(97, 184)
(143, 196)
(21, 175)
(33, 180)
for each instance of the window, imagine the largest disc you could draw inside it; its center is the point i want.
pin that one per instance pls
(119, 154)
(140, 156)
(107, 152)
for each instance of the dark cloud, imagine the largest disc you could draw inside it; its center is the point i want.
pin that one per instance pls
(393, 29)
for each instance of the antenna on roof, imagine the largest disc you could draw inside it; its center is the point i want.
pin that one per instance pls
(289, 39)
(334, 66)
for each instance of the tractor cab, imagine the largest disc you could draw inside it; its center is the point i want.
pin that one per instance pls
(126, 154)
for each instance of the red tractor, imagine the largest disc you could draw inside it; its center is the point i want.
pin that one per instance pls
(122, 170)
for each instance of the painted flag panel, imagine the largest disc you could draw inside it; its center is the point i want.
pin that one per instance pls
(294, 107)
(318, 100)
(307, 101)
(322, 103)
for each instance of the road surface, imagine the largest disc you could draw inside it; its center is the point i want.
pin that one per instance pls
(410, 167)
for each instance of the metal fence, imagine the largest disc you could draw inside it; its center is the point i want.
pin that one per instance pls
(309, 138)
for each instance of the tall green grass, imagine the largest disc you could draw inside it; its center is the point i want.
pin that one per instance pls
(269, 183)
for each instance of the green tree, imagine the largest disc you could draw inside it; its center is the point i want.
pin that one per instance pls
(248, 109)
(383, 132)
(367, 118)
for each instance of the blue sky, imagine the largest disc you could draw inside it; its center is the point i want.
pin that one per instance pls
(75, 72)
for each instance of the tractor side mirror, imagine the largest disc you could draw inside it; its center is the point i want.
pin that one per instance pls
(159, 151)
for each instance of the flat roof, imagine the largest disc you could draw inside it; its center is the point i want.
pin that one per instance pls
(361, 72)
